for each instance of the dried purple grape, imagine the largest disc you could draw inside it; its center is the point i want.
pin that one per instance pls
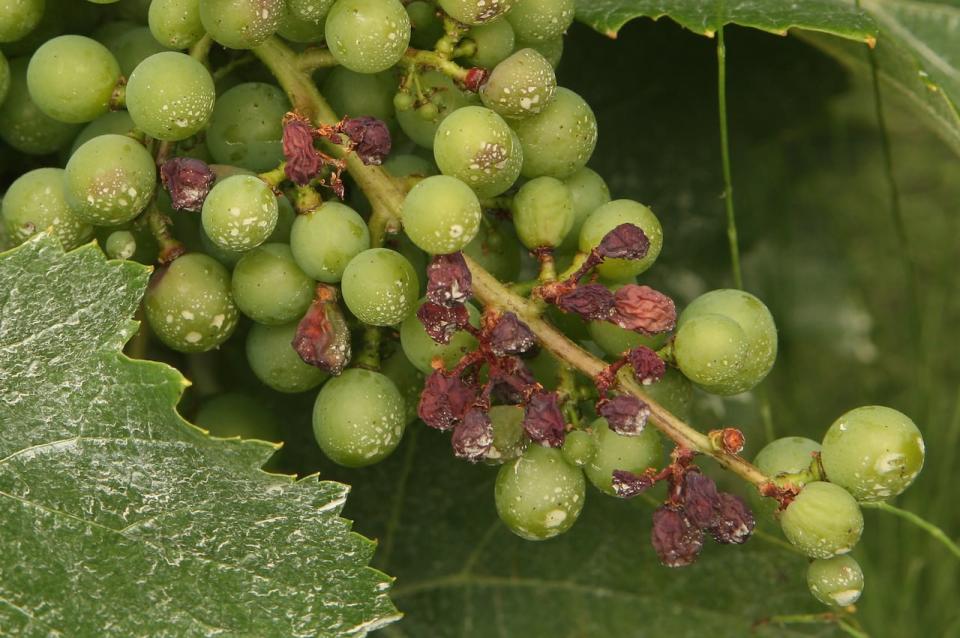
(369, 138)
(701, 502)
(643, 309)
(625, 414)
(511, 379)
(675, 539)
(626, 241)
(647, 365)
(303, 161)
(593, 302)
(449, 280)
(510, 336)
(444, 400)
(188, 181)
(627, 484)
(323, 338)
(735, 521)
(473, 437)
(441, 322)
(543, 421)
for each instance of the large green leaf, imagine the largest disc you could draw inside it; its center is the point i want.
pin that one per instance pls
(917, 55)
(119, 518)
(836, 17)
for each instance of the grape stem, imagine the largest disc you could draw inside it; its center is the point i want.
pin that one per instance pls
(922, 523)
(419, 58)
(386, 197)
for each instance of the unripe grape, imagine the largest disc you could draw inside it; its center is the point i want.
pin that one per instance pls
(241, 24)
(121, 244)
(110, 180)
(421, 349)
(324, 241)
(711, 351)
(476, 146)
(874, 452)
(176, 23)
(276, 364)
(4, 77)
(368, 36)
(233, 414)
(618, 452)
(36, 202)
(189, 305)
(71, 78)
(674, 392)
(475, 11)
(246, 128)
(579, 447)
(358, 418)
(170, 96)
(445, 98)
(355, 94)
(787, 455)
(542, 213)
(509, 438)
(405, 165)
(294, 29)
(540, 20)
(494, 42)
(520, 86)
(240, 212)
(408, 379)
(380, 287)
(268, 286)
(497, 249)
(313, 10)
(441, 215)
(610, 215)
(823, 521)
(837, 581)
(589, 192)
(539, 495)
(551, 49)
(114, 122)
(560, 139)
(18, 18)
(23, 125)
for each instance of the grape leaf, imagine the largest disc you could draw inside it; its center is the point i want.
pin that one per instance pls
(119, 518)
(835, 17)
(917, 55)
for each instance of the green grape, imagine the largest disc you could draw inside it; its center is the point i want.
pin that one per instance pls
(188, 304)
(542, 212)
(121, 244)
(610, 215)
(711, 350)
(823, 521)
(276, 364)
(110, 180)
(579, 448)
(324, 241)
(475, 11)
(441, 215)
(497, 249)
(312, 10)
(268, 286)
(4, 77)
(560, 139)
(108, 32)
(551, 49)
(509, 438)
(837, 581)
(233, 414)
(404, 165)
(18, 18)
(539, 495)
(674, 392)
(429, 111)
(355, 94)
(540, 20)
(176, 23)
(873, 452)
(246, 127)
(787, 455)
(494, 42)
(368, 36)
(295, 29)
(23, 125)
(170, 96)
(240, 212)
(403, 101)
(446, 98)
(36, 202)
(407, 378)
(71, 78)
(757, 324)
(358, 418)
(380, 287)
(476, 146)
(133, 46)
(417, 258)
(618, 452)
(116, 122)
(426, 29)
(421, 349)
(136, 10)
(241, 24)
(520, 86)
(615, 340)
(589, 192)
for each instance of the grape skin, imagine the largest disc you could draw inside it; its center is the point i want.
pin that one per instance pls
(18, 18)
(711, 350)
(233, 414)
(494, 42)
(240, 212)
(540, 20)
(475, 11)
(447, 98)
(476, 146)
(368, 36)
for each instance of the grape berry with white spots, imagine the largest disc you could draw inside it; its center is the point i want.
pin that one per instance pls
(363, 262)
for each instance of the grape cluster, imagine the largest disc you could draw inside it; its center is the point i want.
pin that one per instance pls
(264, 207)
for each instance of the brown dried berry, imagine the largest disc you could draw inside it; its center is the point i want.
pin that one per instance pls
(643, 309)
(512, 380)
(735, 521)
(441, 322)
(303, 160)
(473, 437)
(444, 400)
(675, 539)
(449, 280)
(625, 414)
(509, 336)
(369, 138)
(323, 338)
(627, 484)
(188, 181)
(701, 502)
(543, 420)
(626, 241)
(647, 365)
(593, 302)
